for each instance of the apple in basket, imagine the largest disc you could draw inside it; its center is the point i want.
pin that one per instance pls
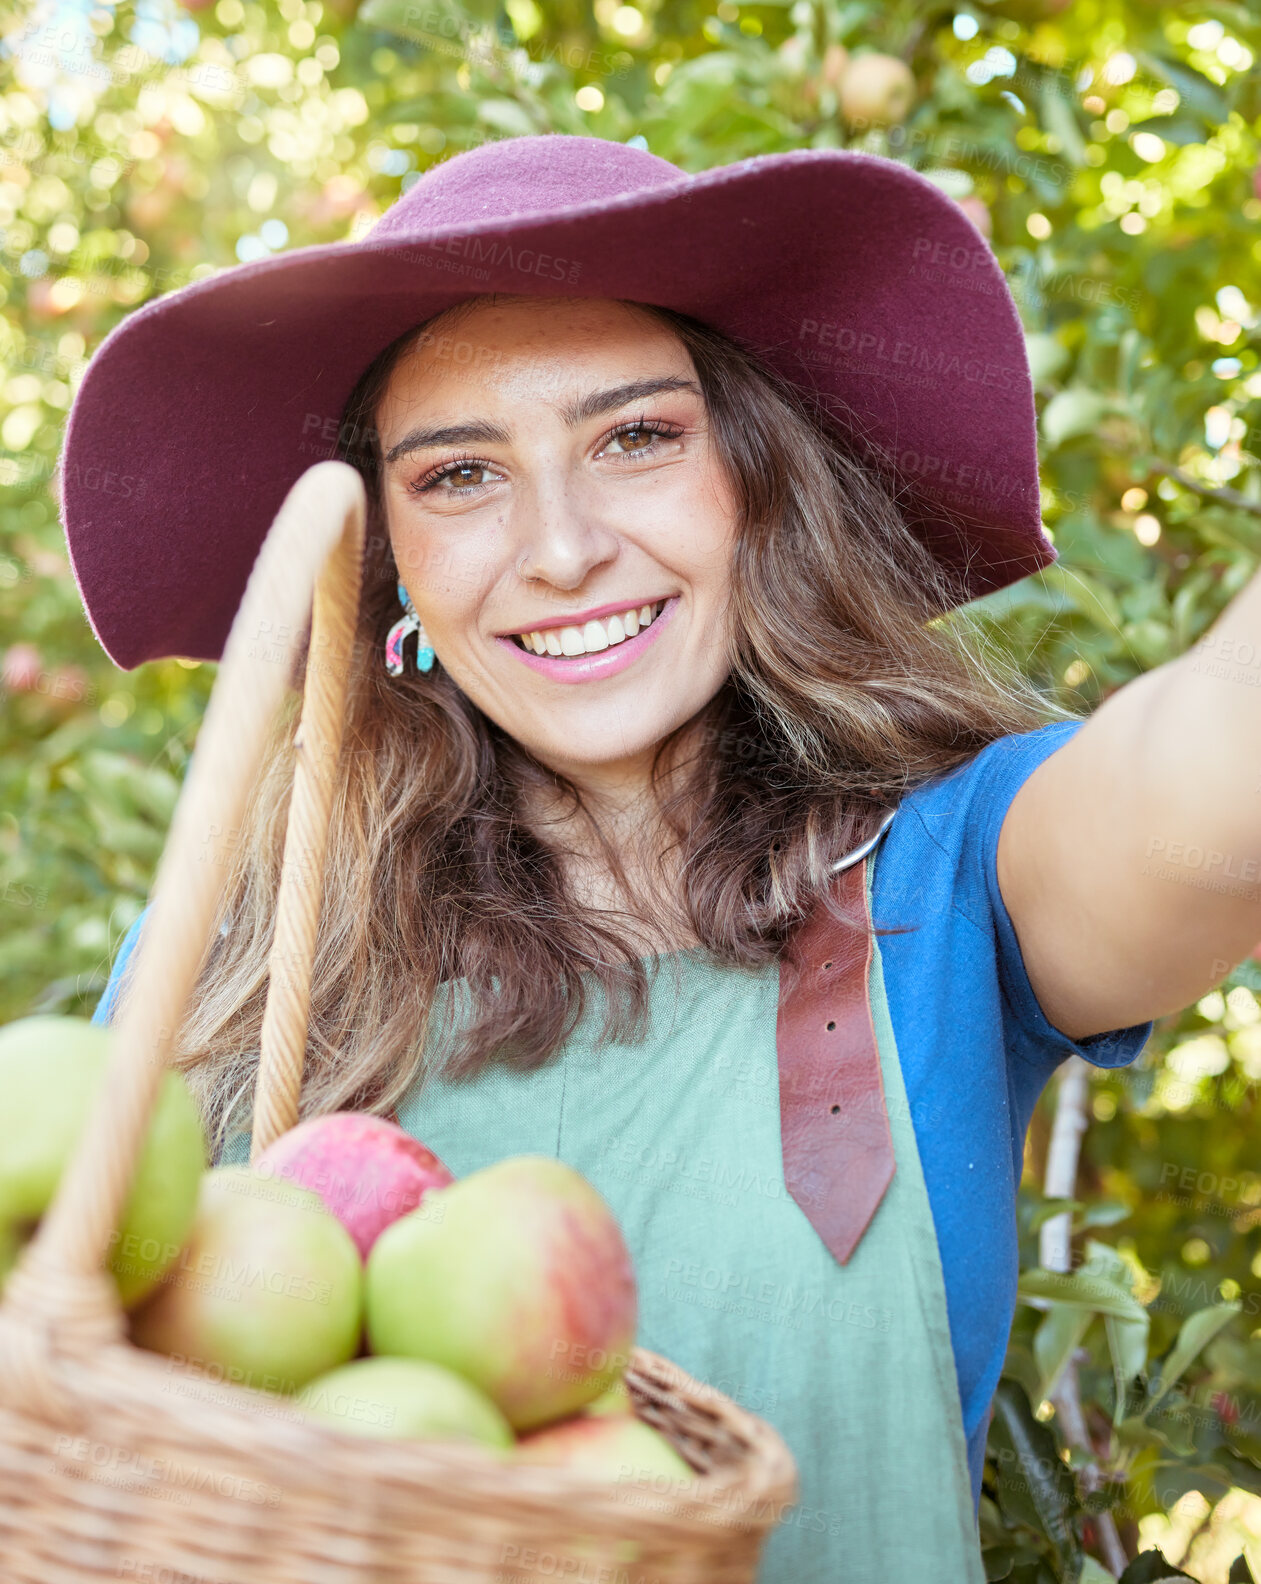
(615, 1400)
(406, 1398)
(51, 1069)
(619, 1449)
(269, 1288)
(517, 1277)
(366, 1170)
(618, 1446)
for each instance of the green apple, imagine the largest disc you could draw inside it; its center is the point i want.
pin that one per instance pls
(51, 1069)
(876, 90)
(406, 1398)
(268, 1290)
(616, 1400)
(516, 1277)
(620, 1447)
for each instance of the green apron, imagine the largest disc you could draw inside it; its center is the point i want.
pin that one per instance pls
(851, 1363)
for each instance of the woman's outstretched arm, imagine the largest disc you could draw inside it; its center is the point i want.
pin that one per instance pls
(1130, 860)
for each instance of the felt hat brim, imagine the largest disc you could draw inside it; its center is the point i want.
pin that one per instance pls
(851, 274)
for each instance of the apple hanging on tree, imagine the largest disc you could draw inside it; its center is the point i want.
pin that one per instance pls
(876, 91)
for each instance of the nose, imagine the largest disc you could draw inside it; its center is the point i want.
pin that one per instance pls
(560, 540)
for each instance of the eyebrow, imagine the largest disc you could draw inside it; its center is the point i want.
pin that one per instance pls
(592, 405)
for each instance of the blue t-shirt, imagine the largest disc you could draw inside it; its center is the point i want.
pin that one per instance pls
(975, 1048)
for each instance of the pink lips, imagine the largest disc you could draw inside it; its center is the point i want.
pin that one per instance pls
(590, 668)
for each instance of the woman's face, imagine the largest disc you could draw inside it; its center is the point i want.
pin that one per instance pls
(550, 483)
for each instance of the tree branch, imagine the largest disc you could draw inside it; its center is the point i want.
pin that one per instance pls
(1055, 1253)
(1214, 492)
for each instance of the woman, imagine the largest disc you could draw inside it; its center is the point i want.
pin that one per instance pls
(683, 716)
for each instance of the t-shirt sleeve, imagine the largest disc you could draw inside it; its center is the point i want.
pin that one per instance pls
(105, 1007)
(997, 773)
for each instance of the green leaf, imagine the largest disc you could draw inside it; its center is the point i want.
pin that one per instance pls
(1150, 1567)
(1105, 1212)
(1083, 1290)
(424, 20)
(1178, 129)
(1196, 92)
(1048, 357)
(1246, 973)
(1059, 119)
(508, 117)
(1198, 1330)
(1059, 1333)
(1070, 413)
(1019, 1365)
(1039, 1214)
(1089, 595)
(1239, 1471)
(1033, 1481)
(1127, 1344)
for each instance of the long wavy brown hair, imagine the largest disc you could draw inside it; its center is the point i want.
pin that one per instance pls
(853, 680)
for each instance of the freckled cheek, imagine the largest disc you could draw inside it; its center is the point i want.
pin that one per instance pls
(452, 598)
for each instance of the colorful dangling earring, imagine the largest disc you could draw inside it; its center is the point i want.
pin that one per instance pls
(403, 628)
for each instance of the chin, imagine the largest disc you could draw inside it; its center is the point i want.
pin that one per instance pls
(584, 752)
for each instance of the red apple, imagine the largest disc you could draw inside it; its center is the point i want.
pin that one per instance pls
(22, 668)
(368, 1171)
(518, 1278)
(977, 210)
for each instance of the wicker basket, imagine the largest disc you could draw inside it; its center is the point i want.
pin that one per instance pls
(116, 1463)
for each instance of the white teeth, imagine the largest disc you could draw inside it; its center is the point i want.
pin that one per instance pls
(593, 636)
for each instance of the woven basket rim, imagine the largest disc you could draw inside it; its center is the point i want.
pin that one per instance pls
(736, 1495)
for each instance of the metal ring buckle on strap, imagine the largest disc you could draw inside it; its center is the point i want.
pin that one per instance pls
(863, 848)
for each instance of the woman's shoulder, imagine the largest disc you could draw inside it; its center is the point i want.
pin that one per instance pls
(941, 848)
(119, 967)
(969, 802)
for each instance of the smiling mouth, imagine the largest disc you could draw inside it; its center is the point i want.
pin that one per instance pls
(592, 636)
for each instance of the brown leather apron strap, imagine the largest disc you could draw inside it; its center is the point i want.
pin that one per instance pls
(834, 1125)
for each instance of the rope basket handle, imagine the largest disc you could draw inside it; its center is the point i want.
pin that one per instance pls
(311, 562)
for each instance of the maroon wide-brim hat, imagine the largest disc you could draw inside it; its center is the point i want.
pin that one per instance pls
(851, 274)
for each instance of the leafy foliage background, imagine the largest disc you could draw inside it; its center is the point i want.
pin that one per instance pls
(1109, 147)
